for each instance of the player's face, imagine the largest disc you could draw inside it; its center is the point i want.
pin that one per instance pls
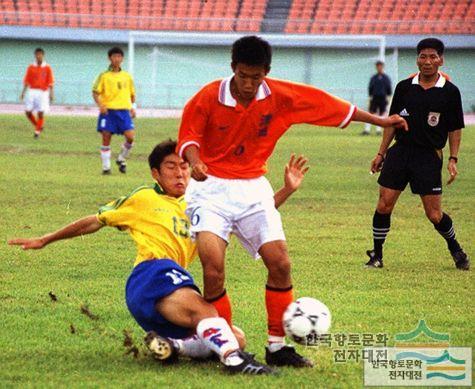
(380, 69)
(248, 79)
(116, 59)
(39, 56)
(173, 175)
(428, 62)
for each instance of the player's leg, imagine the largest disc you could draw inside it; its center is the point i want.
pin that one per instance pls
(211, 250)
(186, 308)
(444, 226)
(106, 152)
(381, 224)
(125, 127)
(29, 108)
(40, 122)
(262, 235)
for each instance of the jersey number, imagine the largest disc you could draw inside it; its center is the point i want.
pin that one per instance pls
(181, 227)
(177, 277)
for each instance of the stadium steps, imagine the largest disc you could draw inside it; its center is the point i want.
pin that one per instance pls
(276, 15)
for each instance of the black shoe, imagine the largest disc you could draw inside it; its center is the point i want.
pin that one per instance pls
(106, 172)
(363, 133)
(162, 348)
(287, 356)
(36, 136)
(374, 261)
(249, 365)
(122, 166)
(461, 260)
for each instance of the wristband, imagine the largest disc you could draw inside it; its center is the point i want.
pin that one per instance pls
(134, 105)
(453, 158)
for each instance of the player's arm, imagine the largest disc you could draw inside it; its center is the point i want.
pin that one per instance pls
(377, 162)
(86, 225)
(25, 84)
(454, 145)
(193, 123)
(51, 83)
(133, 112)
(395, 121)
(97, 98)
(293, 176)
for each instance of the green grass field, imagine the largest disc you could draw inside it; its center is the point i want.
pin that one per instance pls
(50, 182)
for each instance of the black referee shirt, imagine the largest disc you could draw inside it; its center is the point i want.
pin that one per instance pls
(430, 113)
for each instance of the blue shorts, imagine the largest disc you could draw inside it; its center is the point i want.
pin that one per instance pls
(115, 121)
(149, 282)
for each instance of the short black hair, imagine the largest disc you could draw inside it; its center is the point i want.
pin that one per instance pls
(431, 43)
(115, 50)
(253, 51)
(39, 50)
(159, 153)
(379, 63)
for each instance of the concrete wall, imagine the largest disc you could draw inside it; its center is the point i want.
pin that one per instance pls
(168, 76)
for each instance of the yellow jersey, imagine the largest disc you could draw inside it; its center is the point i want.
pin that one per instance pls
(115, 89)
(157, 223)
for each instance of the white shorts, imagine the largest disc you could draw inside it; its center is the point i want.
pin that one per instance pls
(243, 207)
(37, 100)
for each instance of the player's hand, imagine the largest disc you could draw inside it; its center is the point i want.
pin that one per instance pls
(22, 96)
(103, 109)
(395, 121)
(376, 164)
(51, 97)
(28, 244)
(295, 171)
(133, 113)
(452, 168)
(198, 171)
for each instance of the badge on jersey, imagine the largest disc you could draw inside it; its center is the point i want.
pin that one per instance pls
(433, 119)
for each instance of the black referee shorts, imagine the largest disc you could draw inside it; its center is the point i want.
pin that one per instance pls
(418, 166)
(378, 105)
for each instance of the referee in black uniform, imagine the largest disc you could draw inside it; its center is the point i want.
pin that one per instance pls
(432, 107)
(379, 90)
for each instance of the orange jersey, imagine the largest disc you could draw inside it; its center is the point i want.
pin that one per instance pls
(234, 141)
(39, 77)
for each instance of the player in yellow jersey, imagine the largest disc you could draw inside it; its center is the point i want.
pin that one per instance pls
(160, 293)
(114, 93)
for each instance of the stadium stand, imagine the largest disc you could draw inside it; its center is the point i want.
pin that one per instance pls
(297, 16)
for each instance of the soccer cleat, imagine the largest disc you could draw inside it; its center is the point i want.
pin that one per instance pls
(461, 260)
(36, 136)
(374, 261)
(249, 365)
(287, 356)
(162, 348)
(365, 133)
(106, 172)
(122, 166)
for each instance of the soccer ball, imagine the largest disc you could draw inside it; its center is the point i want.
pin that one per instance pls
(305, 320)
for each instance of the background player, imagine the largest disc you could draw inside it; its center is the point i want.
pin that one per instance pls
(160, 293)
(433, 108)
(114, 93)
(38, 86)
(228, 131)
(379, 90)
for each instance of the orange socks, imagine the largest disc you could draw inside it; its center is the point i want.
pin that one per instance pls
(222, 303)
(39, 124)
(277, 301)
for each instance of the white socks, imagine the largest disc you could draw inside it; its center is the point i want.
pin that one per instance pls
(192, 347)
(367, 128)
(106, 157)
(125, 151)
(216, 334)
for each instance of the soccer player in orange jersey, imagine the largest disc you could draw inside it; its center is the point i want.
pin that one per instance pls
(37, 90)
(228, 131)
